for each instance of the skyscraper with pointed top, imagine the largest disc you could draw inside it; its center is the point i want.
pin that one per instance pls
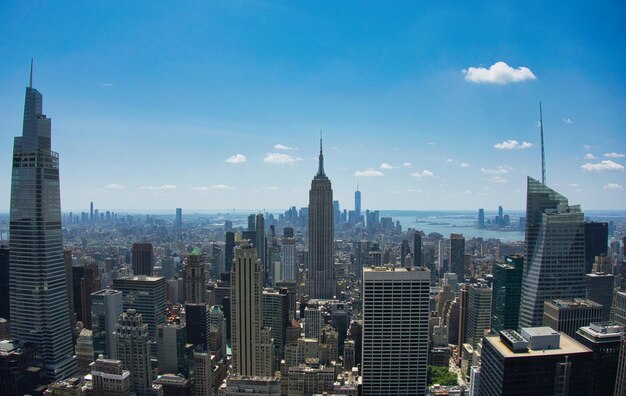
(357, 203)
(321, 276)
(38, 290)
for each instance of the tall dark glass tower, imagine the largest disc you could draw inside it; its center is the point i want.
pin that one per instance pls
(38, 291)
(357, 204)
(321, 276)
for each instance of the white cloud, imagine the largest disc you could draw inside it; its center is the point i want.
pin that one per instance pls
(163, 187)
(590, 156)
(282, 147)
(498, 170)
(449, 160)
(568, 120)
(236, 159)
(498, 73)
(114, 186)
(424, 173)
(414, 190)
(431, 143)
(407, 164)
(386, 166)
(464, 165)
(107, 85)
(613, 186)
(573, 184)
(512, 145)
(606, 165)
(200, 188)
(587, 147)
(221, 187)
(497, 179)
(614, 155)
(271, 188)
(369, 172)
(280, 158)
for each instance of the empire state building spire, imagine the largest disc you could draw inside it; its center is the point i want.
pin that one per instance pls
(320, 169)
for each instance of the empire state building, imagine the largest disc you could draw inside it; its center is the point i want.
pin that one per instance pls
(321, 276)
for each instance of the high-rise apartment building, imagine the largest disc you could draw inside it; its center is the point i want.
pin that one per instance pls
(457, 255)
(555, 252)
(395, 331)
(38, 291)
(106, 308)
(195, 278)
(246, 311)
(288, 256)
(321, 275)
(142, 259)
(133, 350)
(506, 289)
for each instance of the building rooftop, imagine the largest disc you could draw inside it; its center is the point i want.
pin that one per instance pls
(567, 346)
(574, 303)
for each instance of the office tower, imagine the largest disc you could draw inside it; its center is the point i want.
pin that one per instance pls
(417, 249)
(84, 351)
(288, 267)
(463, 304)
(570, 315)
(596, 242)
(478, 313)
(67, 261)
(405, 251)
(507, 290)
(457, 255)
(313, 320)
(321, 275)
(555, 252)
(229, 250)
(357, 203)
(481, 218)
(108, 378)
(78, 273)
(133, 350)
(145, 295)
(195, 279)
(198, 325)
(20, 368)
(218, 258)
(38, 293)
(251, 223)
(246, 310)
(89, 283)
(203, 384)
(618, 309)
(540, 361)
(600, 290)
(178, 221)
(604, 340)
(4, 282)
(500, 216)
(106, 308)
(261, 246)
(395, 331)
(276, 317)
(91, 220)
(174, 354)
(336, 213)
(142, 259)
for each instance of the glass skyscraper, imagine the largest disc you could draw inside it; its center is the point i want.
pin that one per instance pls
(555, 252)
(38, 289)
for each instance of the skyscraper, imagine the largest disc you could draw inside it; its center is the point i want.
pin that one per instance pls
(261, 246)
(395, 331)
(481, 218)
(555, 252)
(178, 221)
(478, 313)
(143, 259)
(596, 242)
(195, 285)
(457, 255)
(229, 250)
(246, 311)
(417, 249)
(288, 256)
(132, 349)
(321, 276)
(38, 291)
(357, 203)
(4, 282)
(506, 289)
(106, 308)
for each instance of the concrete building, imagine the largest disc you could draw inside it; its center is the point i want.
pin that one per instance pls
(246, 386)
(132, 349)
(195, 278)
(21, 369)
(604, 340)
(457, 255)
(142, 259)
(310, 379)
(174, 354)
(84, 351)
(600, 290)
(106, 308)
(108, 378)
(478, 318)
(570, 315)
(395, 330)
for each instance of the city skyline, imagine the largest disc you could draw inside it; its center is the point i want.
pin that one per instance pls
(230, 120)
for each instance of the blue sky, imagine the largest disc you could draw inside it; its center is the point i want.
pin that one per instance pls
(148, 101)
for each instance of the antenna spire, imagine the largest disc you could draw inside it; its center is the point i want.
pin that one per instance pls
(30, 84)
(320, 169)
(543, 152)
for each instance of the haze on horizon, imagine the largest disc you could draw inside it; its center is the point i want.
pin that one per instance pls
(219, 105)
